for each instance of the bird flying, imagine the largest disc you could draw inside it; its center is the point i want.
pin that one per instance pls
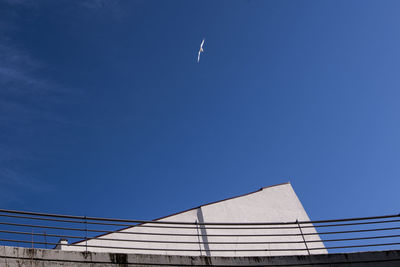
(200, 50)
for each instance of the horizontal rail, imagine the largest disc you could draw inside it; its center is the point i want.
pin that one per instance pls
(198, 242)
(211, 235)
(147, 225)
(107, 234)
(85, 218)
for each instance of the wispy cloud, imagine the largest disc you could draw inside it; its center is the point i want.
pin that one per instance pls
(28, 98)
(111, 8)
(15, 183)
(16, 70)
(96, 4)
(17, 86)
(16, 2)
(21, 87)
(24, 101)
(17, 180)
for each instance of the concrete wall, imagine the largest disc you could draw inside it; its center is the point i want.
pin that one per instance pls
(271, 204)
(24, 257)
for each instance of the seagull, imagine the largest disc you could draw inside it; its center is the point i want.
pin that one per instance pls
(201, 50)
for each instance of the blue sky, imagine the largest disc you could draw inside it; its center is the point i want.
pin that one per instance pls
(104, 110)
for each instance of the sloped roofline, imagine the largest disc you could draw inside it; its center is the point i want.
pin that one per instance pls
(176, 213)
(218, 201)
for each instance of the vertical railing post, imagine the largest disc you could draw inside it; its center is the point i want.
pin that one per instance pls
(45, 239)
(32, 238)
(86, 233)
(301, 232)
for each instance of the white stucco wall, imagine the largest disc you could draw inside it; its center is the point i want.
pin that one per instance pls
(271, 204)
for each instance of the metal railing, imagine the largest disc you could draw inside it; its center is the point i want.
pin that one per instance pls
(81, 233)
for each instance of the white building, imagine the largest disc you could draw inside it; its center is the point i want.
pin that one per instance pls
(277, 203)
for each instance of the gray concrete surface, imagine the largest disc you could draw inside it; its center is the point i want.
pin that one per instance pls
(26, 257)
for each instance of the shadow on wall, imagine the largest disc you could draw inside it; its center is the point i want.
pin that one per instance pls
(203, 232)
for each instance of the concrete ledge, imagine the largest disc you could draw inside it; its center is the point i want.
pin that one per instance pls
(21, 257)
